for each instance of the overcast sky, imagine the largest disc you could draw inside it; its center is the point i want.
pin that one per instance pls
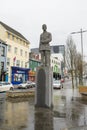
(61, 16)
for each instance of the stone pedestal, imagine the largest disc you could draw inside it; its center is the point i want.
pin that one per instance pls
(44, 89)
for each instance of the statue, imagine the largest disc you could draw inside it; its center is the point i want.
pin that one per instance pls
(44, 73)
(44, 47)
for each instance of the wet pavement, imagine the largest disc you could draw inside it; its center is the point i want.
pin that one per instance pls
(69, 113)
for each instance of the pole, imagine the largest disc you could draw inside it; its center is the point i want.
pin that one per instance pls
(82, 55)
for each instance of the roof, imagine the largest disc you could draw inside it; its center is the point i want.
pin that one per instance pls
(13, 31)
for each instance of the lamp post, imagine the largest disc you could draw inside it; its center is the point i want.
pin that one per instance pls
(81, 32)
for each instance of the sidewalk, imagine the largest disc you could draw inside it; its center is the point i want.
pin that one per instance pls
(74, 108)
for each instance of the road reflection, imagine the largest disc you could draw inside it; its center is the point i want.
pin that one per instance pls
(14, 115)
(43, 119)
(20, 114)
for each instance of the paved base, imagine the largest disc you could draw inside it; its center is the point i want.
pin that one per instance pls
(20, 93)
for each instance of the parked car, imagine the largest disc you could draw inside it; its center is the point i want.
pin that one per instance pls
(25, 85)
(57, 84)
(31, 84)
(5, 86)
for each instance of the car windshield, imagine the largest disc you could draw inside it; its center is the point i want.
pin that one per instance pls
(56, 81)
(4, 83)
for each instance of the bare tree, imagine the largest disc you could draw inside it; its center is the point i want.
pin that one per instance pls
(79, 67)
(70, 57)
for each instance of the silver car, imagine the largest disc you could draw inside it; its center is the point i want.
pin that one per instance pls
(57, 84)
(25, 85)
(5, 86)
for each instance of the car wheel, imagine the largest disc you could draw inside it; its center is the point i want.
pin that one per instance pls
(31, 86)
(11, 88)
(20, 87)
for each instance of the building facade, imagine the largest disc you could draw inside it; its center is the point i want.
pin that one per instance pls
(34, 62)
(56, 66)
(55, 50)
(54, 60)
(59, 49)
(17, 50)
(3, 61)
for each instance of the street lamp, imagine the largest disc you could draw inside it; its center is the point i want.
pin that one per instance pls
(81, 32)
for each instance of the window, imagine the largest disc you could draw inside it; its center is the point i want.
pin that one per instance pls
(21, 63)
(21, 52)
(9, 35)
(17, 39)
(8, 61)
(20, 41)
(2, 66)
(12, 37)
(2, 51)
(25, 53)
(25, 65)
(18, 63)
(9, 48)
(15, 50)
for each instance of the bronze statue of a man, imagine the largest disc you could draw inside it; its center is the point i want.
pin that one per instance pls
(44, 47)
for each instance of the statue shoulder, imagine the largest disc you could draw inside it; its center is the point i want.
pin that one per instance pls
(49, 33)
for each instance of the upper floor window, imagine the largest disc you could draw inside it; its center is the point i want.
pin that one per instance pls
(9, 35)
(25, 65)
(21, 63)
(25, 53)
(9, 48)
(17, 39)
(18, 63)
(12, 37)
(2, 51)
(21, 52)
(20, 41)
(15, 50)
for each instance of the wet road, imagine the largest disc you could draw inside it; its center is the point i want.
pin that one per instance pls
(69, 113)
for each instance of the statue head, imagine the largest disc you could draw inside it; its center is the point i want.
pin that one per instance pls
(44, 27)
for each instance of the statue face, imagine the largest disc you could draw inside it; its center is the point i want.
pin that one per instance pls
(44, 27)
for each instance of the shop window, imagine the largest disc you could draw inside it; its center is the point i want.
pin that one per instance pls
(18, 77)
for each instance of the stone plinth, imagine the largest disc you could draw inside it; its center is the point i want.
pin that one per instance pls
(44, 89)
(20, 93)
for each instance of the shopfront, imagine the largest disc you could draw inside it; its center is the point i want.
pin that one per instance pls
(32, 75)
(19, 75)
